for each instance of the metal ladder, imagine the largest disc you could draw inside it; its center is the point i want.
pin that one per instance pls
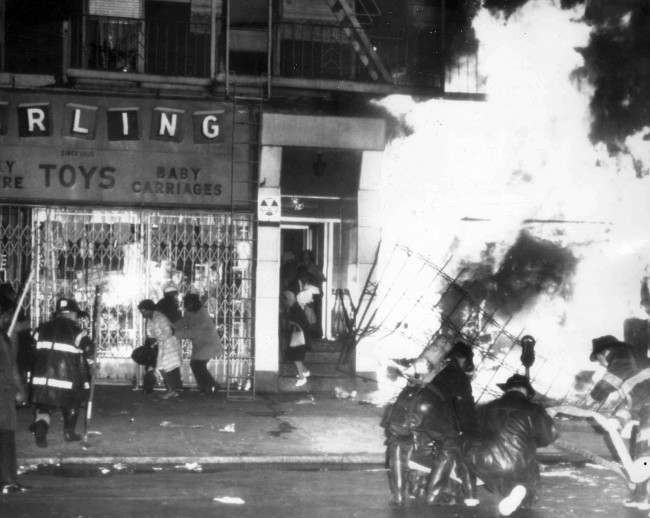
(246, 131)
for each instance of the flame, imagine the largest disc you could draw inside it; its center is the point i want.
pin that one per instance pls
(470, 173)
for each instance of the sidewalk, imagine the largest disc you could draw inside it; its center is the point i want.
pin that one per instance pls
(130, 427)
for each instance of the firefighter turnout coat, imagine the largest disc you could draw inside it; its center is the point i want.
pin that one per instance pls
(630, 377)
(60, 375)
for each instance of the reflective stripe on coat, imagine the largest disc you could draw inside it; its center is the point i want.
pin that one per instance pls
(60, 376)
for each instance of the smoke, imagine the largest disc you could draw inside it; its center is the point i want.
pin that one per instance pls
(530, 268)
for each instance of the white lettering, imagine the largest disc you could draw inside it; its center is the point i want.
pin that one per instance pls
(76, 123)
(166, 125)
(210, 126)
(35, 117)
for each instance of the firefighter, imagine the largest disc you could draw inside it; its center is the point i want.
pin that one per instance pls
(453, 384)
(61, 372)
(629, 376)
(512, 428)
(425, 430)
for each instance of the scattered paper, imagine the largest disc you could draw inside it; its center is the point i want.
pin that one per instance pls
(119, 466)
(235, 500)
(169, 424)
(104, 471)
(94, 432)
(307, 401)
(192, 466)
(230, 428)
(340, 393)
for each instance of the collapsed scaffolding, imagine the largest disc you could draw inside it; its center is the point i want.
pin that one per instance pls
(408, 301)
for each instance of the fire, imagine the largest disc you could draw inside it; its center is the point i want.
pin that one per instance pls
(470, 176)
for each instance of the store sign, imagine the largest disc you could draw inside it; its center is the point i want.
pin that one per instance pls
(93, 150)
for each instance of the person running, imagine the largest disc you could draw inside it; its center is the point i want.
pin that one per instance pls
(169, 351)
(197, 326)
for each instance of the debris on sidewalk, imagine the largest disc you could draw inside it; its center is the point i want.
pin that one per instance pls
(235, 500)
(104, 470)
(340, 393)
(169, 424)
(230, 428)
(119, 466)
(309, 400)
(190, 466)
(24, 469)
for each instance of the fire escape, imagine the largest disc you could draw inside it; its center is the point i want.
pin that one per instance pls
(353, 30)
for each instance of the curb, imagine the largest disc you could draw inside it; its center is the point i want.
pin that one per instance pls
(544, 456)
(363, 458)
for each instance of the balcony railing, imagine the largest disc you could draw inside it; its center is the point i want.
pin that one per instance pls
(302, 52)
(135, 45)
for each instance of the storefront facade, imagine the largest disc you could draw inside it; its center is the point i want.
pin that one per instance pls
(107, 199)
(324, 173)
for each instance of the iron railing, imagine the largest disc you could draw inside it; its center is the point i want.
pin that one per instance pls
(129, 255)
(304, 50)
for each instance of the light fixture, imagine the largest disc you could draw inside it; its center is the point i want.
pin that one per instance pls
(319, 164)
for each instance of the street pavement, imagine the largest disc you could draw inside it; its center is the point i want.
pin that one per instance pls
(277, 492)
(129, 427)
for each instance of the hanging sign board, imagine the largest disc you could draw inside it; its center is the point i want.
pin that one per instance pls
(115, 151)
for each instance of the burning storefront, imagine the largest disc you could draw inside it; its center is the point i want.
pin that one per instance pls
(112, 198)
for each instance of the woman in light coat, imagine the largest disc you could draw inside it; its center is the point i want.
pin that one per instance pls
(197, 326)
(169, 350)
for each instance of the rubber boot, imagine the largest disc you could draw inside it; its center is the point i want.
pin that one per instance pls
(439, 477)
(39, 428)
(396, 479)
(69, 422)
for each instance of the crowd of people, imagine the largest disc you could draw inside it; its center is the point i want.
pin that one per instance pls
(166, 326)
(436, 429)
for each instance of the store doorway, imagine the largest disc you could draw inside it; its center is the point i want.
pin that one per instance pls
(299, 239)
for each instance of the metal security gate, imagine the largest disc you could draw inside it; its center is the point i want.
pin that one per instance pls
(15, 245)
(128, 255)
